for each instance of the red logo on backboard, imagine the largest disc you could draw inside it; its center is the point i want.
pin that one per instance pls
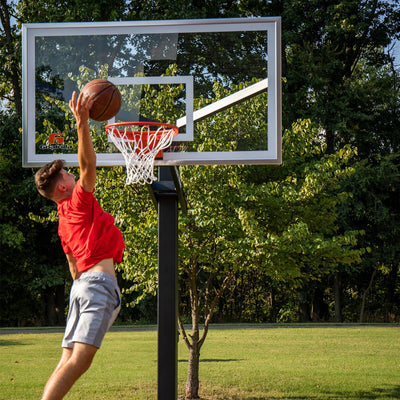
(55, 142)
(56, 138)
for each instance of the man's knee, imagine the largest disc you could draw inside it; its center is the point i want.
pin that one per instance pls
(82, 356)
(79, 365)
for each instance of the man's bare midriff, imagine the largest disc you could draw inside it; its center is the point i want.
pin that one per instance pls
(106, 265)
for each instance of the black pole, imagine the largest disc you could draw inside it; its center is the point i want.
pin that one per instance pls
(167, 199)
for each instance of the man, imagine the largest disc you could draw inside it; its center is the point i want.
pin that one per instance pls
(92, 244)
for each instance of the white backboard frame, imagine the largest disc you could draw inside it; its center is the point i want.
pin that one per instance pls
(271, 25)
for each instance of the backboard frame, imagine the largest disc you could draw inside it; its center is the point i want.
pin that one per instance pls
(272, 25)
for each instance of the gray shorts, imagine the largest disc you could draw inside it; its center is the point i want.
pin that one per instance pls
(94, 305)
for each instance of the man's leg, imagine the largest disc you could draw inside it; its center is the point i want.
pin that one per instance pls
(74, 362)
(65, 356)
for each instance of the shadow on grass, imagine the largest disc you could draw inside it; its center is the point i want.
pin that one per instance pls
(11, 343)
(389, 392)
(392, 392)
(211, 360)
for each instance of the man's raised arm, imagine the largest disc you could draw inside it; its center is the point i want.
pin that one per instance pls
(86, 155)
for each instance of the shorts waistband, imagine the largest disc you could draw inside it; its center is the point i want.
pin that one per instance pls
(90, 275)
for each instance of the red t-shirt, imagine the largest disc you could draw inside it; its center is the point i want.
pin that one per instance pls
(87, 231)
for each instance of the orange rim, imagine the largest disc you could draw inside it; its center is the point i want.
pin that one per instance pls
(132, 135)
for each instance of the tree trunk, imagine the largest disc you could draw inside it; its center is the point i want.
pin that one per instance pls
(338, 297)
(304, 306)
(319, 310)
(390, 298)
(192, 382)
(12, 54)
(60, 304)
(193, 341)
(364, 296)
(53, 306)
(330, 140)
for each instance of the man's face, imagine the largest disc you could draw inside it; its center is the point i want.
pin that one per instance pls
(68, 179)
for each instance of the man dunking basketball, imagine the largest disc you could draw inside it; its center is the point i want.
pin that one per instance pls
(92, 244)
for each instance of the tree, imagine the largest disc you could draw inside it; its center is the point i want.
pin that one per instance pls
(374, 207)
(10, 71)
(325, 42)
(233, 225)
(33, 276)
(337, 74)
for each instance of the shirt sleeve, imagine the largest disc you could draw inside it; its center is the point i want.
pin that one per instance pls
(81, 198)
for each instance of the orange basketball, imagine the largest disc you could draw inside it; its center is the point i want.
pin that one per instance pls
(107, 99)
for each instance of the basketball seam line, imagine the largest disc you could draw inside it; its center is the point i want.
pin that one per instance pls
(107, 106)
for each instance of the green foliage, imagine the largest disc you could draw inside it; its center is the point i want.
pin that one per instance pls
(239, 218)
(340, 90)
(374, 207)
(31, 263)
(325, 45)
(285, 226)
(70, 10)
(181, 9)
(159, 104)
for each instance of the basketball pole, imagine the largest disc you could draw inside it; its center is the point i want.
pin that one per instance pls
(167, 191)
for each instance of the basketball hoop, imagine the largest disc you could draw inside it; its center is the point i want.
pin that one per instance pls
(141, 143)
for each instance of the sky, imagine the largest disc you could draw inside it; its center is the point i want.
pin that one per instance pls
(396, 52)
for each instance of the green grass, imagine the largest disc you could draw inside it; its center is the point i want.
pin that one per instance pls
(285, 363)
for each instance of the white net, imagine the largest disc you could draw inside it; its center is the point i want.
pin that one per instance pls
(140, 143)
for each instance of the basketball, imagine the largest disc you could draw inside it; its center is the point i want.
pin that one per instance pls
(107, 99)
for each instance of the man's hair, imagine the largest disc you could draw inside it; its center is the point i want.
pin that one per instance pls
(47, 177)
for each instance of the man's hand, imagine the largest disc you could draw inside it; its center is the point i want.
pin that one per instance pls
(81, 107)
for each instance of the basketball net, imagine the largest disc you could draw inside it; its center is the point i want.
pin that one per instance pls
(140, 143)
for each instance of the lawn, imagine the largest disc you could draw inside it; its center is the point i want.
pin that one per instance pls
(321, 363)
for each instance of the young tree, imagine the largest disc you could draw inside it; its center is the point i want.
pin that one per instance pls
(241, 220)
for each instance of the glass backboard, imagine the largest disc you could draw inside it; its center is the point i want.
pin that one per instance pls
(218, 80)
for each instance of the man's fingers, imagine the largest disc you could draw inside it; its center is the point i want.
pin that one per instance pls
(85, 101)
(88, 101)
(72, 102)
